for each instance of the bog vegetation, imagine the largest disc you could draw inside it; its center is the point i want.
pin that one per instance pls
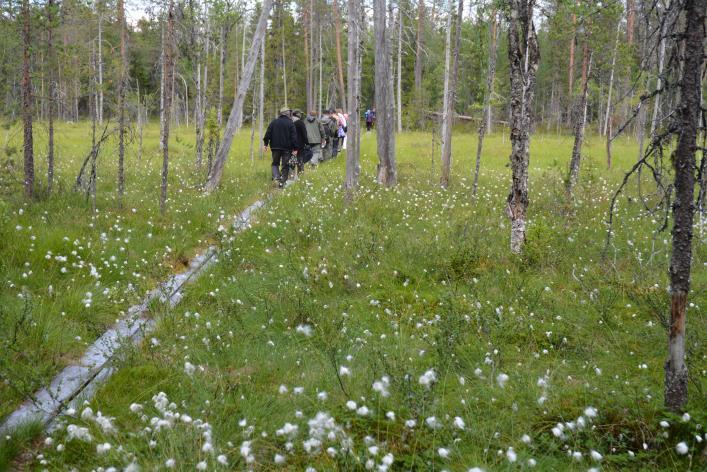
(418, 302)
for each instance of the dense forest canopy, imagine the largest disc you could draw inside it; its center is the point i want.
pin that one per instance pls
(301, 57)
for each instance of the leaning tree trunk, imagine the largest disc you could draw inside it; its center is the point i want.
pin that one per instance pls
(27, 101)
(221, 72)
(486, 119)
(237, 111)
(52, 93)
(450, 86)
(385, 135)
(167, 74)
(580, 122)
(353, 153)
(688, 117)
(523, 55)
(122, 83)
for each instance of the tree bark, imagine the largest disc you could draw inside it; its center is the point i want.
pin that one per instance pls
(237, 111)
(570, 67)
(580, 121)
(221, 73)
(399, 88)
(523, 55)
(385, 135)
(353, 153)
(122, 83)
(51, 60)
(688, 117)
(27, 102)
(261, 98)
(486, 120)
(100, 63)
(339, 61)
(450, 84)
(167, 75)
(630, 20)
(419, 46)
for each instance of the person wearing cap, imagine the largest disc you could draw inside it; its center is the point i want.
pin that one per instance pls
(302, 145)
(316, 137)
(281, 138)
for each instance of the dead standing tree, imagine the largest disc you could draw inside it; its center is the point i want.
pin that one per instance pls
(27, 101)
(122, 84)
(237, 111)
(385, 136)
(490, 76)
(523, 55)
(450, 90)
(681, 86)
(167, 74)
(353, 153)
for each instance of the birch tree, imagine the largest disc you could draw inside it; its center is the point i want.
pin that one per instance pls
(122, 84)
(486, 118)
(450, 85)
(237, 110)
(523, 55)
(167, 76)
(353, 153)
(385, 121)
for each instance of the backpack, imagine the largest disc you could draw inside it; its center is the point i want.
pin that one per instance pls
(332, 128)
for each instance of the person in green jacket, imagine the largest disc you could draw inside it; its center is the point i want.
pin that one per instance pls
(316, 137)
(331, 127)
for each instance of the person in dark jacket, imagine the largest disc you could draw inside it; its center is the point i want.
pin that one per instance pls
(281, 138)
(302, 144)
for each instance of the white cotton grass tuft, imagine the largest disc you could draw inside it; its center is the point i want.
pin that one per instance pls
(459, 423)
(305, 329)
(511, 455)
(596, 456)
(681, 448)
(170, 463)
(502, 379)
(189, 368)
(443, 452)
(428, 378)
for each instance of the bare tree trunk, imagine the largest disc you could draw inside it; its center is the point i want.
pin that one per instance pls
(447, 102)
(689, 112)
(203, 99)
(122, 83)
(233, 120)
(385, 136)
(570, 67)
(261, 98)
(419, 46)
(51, 59)
(167, 73)
(486, 119)
(284, 62)
(339, 61)
(27, 101)
(611, 80)
(321, 59)
(353, 153)
(307, 58)
(140, 122)
(100, 63)
(523, 55)
(630, 20)
(221, 72)
(580, 121)
(661, 63)
(399, 88)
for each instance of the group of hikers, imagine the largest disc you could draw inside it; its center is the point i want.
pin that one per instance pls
(295, 139)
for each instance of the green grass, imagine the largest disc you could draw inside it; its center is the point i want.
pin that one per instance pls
(399, 282)
(48, 247)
